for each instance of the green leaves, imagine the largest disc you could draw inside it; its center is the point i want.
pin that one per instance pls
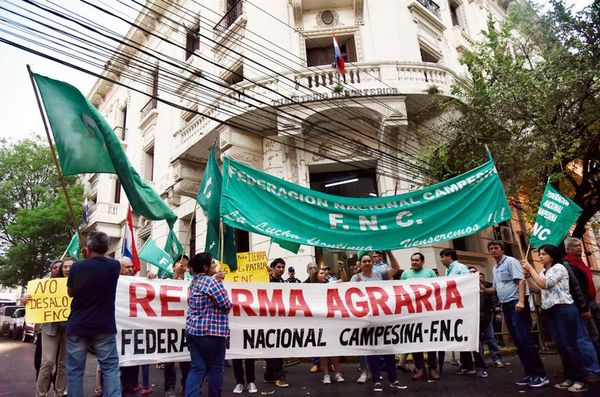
(34, 223)
(534, 100)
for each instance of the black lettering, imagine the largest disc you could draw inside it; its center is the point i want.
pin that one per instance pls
(150, 341)
(160, 346)
(125, 339)
(249, 338)
(172, 337)
(138, 341)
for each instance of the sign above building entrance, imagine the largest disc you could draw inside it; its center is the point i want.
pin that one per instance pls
(366, 92)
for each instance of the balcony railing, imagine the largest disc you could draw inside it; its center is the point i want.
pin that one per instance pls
(431, 6)
(148, 108)
(229, 18)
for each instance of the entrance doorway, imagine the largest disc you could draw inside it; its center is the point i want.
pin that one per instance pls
(349, 182)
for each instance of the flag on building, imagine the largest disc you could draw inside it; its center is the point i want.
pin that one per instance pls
(73, 249)
(86, 211)
(87, 144)
(209, 198)
(338, 59)
(555, 217)
(129, 250)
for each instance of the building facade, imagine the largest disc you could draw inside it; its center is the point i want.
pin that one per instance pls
(256, 79)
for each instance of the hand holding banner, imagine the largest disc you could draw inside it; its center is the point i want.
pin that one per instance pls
(49, 300)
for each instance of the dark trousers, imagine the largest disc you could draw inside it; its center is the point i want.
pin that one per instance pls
(129, 378)
(419, 360)
(519, 326)
(37, 356)
(468, 358)
(390, 367)
(274, 369)
(171, 377)
(238, 370)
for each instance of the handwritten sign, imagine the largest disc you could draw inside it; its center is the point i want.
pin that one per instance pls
(252, 268)
(49, 300)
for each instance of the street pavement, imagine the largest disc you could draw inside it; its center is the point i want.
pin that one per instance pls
(17, 378)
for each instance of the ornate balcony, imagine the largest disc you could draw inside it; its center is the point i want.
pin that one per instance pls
(109, 215)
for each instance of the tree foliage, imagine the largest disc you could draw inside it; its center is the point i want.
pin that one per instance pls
(35, 226)
(533, 98)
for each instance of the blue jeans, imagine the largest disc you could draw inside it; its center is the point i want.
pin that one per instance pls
(208, 359)
(519, 326)
(562, 321)
(145, 376)
(105, 346)
(390, 367)
(490, 340)
(586, 347)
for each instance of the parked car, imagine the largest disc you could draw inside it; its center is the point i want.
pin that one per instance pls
(6, 313)
(19, 328)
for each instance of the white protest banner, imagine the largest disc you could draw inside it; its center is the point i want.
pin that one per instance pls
(305, 320)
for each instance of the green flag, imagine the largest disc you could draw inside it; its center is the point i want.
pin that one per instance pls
(73, 249)
(555, 217)
(153, 254)
(209, 198)
(87, 144)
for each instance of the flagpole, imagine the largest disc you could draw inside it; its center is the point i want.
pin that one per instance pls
(58, 171)
(221, 240)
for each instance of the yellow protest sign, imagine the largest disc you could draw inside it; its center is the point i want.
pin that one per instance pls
(252, 268)
(49, 300)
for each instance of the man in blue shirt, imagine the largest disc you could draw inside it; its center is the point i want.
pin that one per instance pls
(92, 284)
(511, 289)
(449, 258)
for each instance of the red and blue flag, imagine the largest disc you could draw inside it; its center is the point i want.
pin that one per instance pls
(129, 249)
(338, 59)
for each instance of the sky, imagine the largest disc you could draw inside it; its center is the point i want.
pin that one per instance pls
(19, 115)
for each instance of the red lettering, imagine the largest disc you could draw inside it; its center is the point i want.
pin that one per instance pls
(402, 299)
(358, 309)
(236, 294)
(422, 298)
(452, 295)
(297, 303)
(275, 305)
(378, 298)
(335, 303)
(144, 301)
(437, 295)
(165, 299)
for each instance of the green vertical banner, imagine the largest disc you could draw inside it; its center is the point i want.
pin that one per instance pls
(209, 198)
(555, 217)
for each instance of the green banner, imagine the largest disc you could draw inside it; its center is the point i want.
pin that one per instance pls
(555, 217)
(261, 203)
(209, 198)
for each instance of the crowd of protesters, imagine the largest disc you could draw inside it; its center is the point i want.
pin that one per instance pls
(569, 312)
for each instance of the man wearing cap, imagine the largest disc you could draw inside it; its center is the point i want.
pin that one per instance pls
(292, 276)
(378, 264)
